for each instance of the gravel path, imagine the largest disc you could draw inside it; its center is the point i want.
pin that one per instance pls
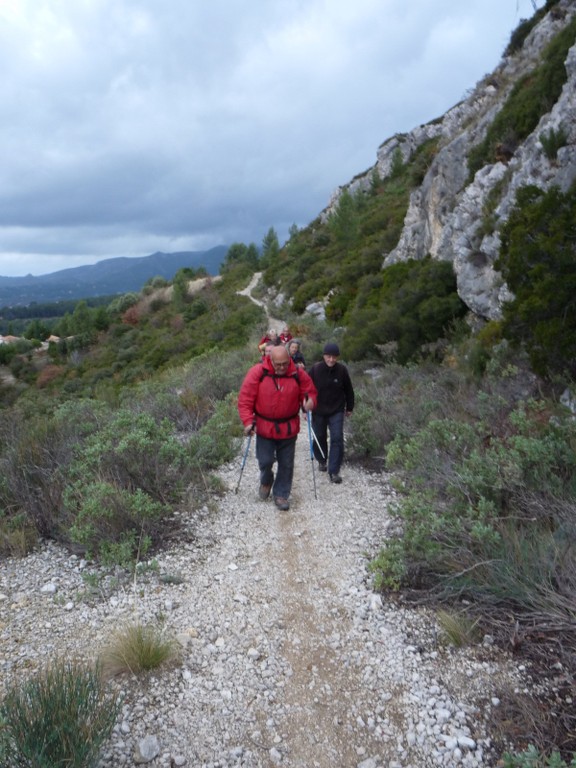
(288, 657)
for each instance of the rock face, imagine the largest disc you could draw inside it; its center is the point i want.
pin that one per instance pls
(445, 215)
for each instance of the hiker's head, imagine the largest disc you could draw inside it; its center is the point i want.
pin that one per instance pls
(293, 347)
(331, 354)
(280, 359)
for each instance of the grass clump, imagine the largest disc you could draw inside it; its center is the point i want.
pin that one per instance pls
(60, 718)
(457, 629)
(137, 648)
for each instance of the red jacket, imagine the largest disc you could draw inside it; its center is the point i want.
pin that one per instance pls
(273, 402)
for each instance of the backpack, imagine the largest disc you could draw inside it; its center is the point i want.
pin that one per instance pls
(277, 422)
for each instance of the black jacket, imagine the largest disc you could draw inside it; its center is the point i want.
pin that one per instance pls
(335, 390)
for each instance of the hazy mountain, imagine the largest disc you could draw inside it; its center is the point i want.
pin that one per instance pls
(108, 277)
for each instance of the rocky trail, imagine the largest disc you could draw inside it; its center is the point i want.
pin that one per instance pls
(288, 657)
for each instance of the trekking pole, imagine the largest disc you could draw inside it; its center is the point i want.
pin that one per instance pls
(244, 460)
(311, 452)
(318, 443)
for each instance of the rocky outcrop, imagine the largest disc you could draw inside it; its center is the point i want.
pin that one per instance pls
(446, 214)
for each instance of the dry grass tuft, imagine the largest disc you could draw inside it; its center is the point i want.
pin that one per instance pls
(458, 629)
(137, 648)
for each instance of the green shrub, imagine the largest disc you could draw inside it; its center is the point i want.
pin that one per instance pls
(122, 483)
(488, 514)
(216, 373)
(537, 261)
(113, 524)
(124, 302)
(553, 141)
(59, 717)
(134, 451)
(38, 451)
(396, 401)
(413, 303)
(532, 758)
(363, 440)
(217, 441)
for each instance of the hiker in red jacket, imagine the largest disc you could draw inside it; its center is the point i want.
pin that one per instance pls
(269, 402)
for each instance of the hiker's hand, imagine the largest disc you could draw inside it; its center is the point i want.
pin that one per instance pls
(308, 404)
(249, 430)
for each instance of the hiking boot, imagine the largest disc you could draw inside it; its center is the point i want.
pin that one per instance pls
(322, 466)
(335, 479)
(264, 491)
(281, 503)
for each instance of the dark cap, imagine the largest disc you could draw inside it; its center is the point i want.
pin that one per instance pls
(331, 349)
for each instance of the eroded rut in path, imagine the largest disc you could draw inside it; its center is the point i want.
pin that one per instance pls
(324, 722)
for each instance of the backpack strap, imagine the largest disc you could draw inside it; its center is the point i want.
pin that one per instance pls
(266, 372)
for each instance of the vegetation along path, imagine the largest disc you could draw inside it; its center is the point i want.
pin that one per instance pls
(288, 657)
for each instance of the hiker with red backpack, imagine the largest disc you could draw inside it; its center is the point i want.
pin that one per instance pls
(269, 403)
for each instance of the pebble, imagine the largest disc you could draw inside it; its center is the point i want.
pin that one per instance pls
(287, 656)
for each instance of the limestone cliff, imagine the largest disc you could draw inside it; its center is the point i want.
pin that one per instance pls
(446, 215)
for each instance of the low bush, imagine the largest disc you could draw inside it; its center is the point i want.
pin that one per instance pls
(62, 716)
(396, 401)
(112, 524)
(216, 373)
(217, 441)
(533, 758)
(134, 451)
(554, 140)
(487, 513)
(37, 450)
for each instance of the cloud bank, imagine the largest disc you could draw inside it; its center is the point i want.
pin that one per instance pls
(131, 126)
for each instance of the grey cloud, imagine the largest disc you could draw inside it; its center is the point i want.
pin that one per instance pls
(128, 127)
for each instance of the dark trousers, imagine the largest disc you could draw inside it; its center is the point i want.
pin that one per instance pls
(267, 451)
(333, 424)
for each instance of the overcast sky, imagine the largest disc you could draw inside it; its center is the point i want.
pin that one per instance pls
(134, 126)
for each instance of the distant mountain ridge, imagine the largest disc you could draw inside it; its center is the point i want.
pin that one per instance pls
(107, 277)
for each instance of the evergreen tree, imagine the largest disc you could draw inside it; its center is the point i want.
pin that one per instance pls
(270, 248)
(344, 222)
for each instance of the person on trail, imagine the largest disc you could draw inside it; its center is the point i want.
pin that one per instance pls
(269, 403)
(335, 401)
(285, 335)
(293, 348)
(267, 349)
(270, 337)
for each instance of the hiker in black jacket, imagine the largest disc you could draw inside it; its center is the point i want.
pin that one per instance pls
(335, 401)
